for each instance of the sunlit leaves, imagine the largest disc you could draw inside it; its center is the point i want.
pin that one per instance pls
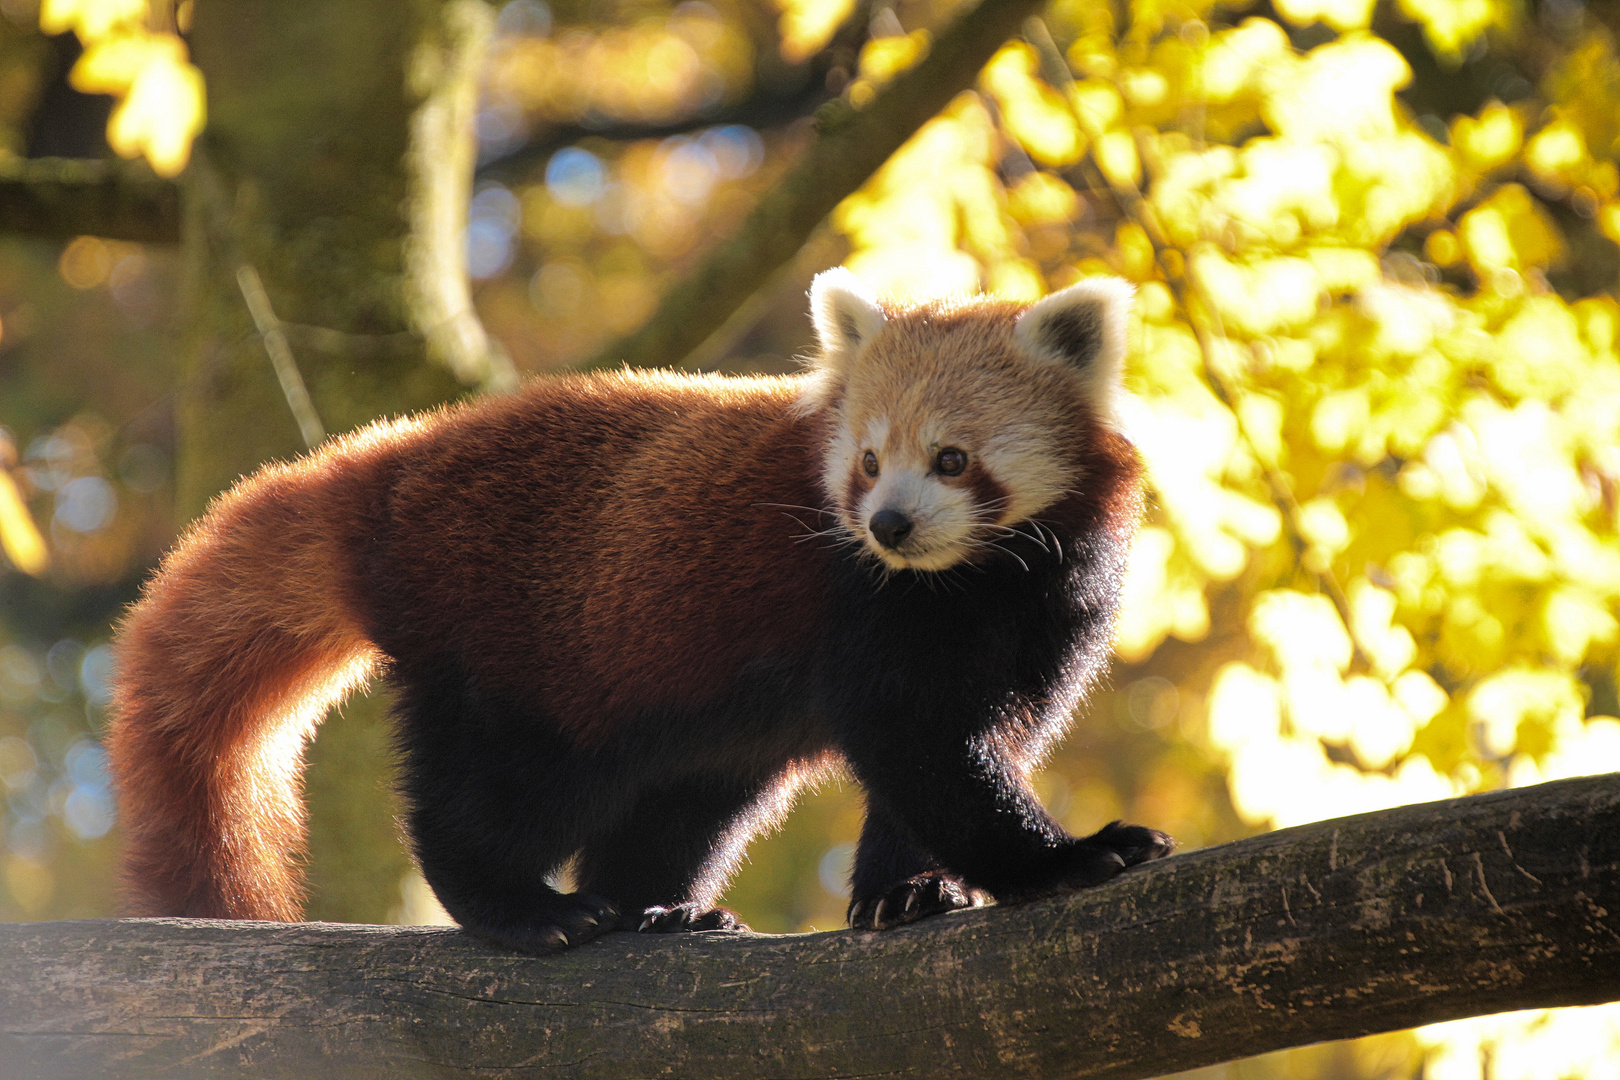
(884, 57)
(1033, 112)
(1339, 91)
(161, 102)
(932, 216)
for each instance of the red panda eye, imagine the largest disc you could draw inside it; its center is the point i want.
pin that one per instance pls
(951, 462)
(869, 463)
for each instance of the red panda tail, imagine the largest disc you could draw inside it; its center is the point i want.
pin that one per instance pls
(244, 638)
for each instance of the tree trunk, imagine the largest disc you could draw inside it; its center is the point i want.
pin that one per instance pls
(1343, 928)
(334, 173)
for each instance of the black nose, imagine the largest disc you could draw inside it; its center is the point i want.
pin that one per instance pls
(891, 528)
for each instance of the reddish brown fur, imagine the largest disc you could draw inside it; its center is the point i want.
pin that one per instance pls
(672, 556)
(263, 616)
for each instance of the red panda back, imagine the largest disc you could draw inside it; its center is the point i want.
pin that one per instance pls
(599, 544)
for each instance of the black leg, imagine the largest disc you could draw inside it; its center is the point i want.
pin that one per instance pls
(976, 814)
(497, 801)
(895, 881)
(667, 863)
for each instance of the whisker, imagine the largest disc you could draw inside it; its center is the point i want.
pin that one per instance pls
(795, 506)
(836, 530)
(1035, 538)
(1007, 552)
(1057, 544)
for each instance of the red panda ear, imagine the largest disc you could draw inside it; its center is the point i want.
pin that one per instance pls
(846, 314)
(1083, 327)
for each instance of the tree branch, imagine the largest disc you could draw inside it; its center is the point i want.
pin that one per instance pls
(849, 147)
(1364, 924)
(64, 197)
(779, 98)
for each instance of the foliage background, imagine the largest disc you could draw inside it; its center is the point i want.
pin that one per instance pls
(1374, 358)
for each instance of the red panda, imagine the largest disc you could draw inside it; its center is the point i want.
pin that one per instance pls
(628, 615)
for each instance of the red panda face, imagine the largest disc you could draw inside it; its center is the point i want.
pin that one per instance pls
(956, 421)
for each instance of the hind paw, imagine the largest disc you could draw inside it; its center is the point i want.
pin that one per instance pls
(567, 921)
(688, 918)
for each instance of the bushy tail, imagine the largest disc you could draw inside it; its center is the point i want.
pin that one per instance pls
(244, 638)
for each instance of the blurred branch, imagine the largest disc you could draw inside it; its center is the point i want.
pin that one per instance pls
(849, 147)
(762, 111)
(1364, 924)
(65, 197)
(782, 95)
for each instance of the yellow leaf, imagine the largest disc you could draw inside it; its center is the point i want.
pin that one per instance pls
(1097, 104)
(1340, 91)
(1342, 15)
(91, 19)
(1236, 58)
(1042, 199)
(161, 114)
(1302, 630)
(807, 25)
(1451, 25)
(1510, 231)
(1016, 279)
(885, 57)
(1491, 140)
(19, 538)
(1116, 156)
(111, 65)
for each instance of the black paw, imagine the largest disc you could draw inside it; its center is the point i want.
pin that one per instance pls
(688, 918)
(1103, 854)
(1134, 843)
(915, 898)
(570, 920)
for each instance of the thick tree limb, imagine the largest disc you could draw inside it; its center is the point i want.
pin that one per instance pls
(1365, 924)
(849, 147)
(65, 197)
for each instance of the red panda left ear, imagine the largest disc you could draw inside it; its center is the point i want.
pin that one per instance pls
(1083, 327)
(847, 316)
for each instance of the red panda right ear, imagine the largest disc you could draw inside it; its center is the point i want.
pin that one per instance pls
(1083, 328)
(846, 315)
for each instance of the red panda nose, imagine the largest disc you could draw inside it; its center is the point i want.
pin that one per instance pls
(890, 527)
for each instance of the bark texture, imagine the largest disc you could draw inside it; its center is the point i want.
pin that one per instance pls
(1343, 928)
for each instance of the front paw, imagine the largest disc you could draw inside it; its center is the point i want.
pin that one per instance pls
(1102, 855)
(926, 894)
(688, 918)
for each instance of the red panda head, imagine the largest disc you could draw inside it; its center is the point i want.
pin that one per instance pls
(955, 420)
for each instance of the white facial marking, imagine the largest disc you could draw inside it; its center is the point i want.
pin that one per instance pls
(1028, 468)
(942, 519)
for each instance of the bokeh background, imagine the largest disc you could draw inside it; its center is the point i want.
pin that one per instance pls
(1375, 358)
